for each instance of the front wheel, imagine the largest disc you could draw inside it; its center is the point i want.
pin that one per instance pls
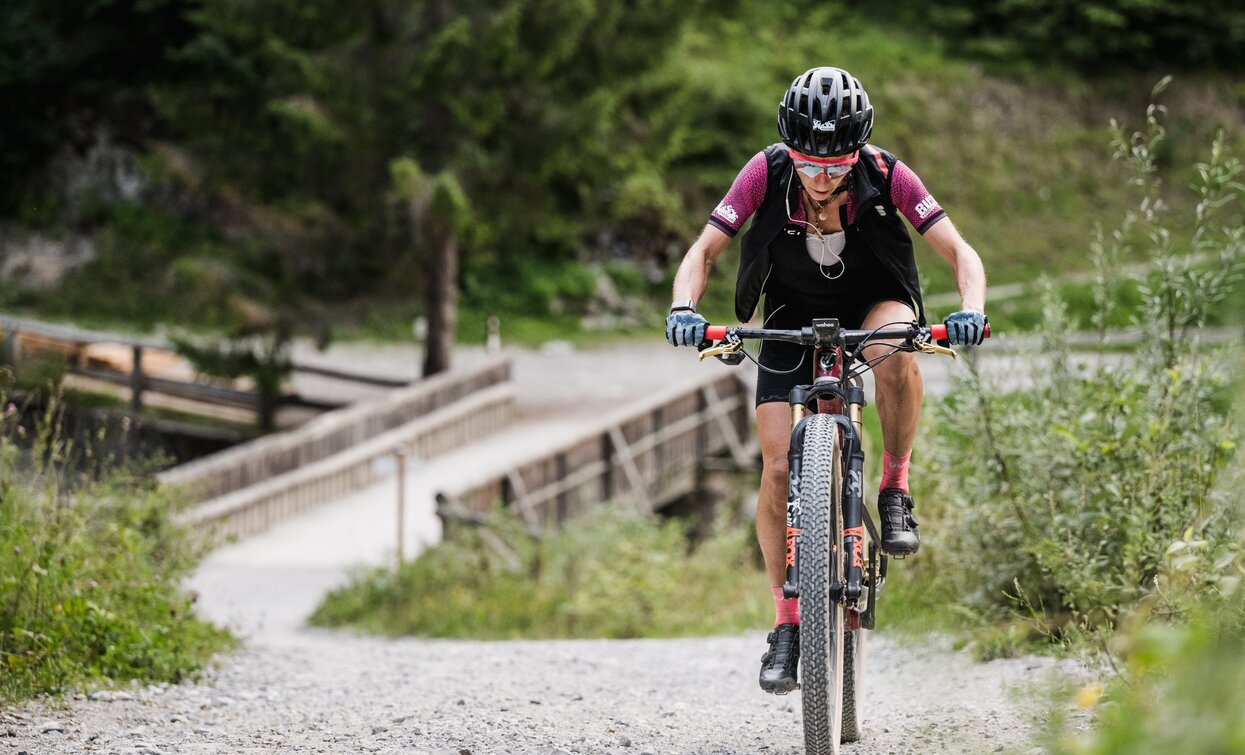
(821, 564)
(853, 666)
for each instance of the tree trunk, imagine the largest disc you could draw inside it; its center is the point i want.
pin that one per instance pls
(442, 301)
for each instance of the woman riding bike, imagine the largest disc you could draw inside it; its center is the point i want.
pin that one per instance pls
(827, 240)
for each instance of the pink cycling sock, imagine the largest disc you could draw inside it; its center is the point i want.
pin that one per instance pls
(895, 471)
(786, 610)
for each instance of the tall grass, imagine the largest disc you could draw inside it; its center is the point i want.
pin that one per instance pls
(1060, 503)
(613, 574)
(91, 565)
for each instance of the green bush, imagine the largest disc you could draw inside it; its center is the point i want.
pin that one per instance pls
(1064, 499)
(1182, 686)
(1095, 35)
(1185, 693)
(91, 566)
(612, 574)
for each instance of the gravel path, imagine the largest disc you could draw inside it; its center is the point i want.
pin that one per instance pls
(332, 693)
(295, 690)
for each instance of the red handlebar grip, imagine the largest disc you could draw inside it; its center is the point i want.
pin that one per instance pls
(715, 332)
(939, 332)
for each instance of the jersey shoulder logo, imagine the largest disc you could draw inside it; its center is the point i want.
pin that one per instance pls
(728, 212)
(925, 206)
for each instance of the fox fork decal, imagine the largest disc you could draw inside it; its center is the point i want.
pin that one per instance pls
(795, 463)
(790, 587)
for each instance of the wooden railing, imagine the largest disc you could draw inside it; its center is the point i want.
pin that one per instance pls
(256, 507)
(647, 457)
(335, 432)
(140, 367)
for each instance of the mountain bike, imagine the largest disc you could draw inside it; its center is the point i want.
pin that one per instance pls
(833, 563)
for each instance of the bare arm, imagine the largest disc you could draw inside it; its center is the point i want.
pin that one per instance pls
(693, 275)
(970, 275)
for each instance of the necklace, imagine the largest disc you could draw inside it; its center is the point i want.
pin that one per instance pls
(820, 207)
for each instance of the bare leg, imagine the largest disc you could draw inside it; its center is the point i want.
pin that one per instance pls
(899, 388)
(778, 665)
(774, 429)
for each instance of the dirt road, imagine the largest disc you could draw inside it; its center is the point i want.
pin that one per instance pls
(333, 693)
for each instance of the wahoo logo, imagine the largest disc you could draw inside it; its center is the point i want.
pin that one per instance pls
(729, 213)
(823, 125)
(925, 206)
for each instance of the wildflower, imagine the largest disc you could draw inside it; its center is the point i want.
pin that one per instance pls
(1088, 696)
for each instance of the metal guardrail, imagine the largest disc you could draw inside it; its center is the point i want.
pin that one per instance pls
(646, 456)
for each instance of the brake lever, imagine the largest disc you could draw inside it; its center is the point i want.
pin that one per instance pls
(928, 347)
(724, 348)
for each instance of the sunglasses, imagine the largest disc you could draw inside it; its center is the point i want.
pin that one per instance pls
(814, 168)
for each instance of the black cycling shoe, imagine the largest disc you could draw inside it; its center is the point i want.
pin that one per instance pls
(778, 665)
(899, 536)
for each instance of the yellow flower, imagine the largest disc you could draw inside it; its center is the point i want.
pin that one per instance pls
(1088, 696)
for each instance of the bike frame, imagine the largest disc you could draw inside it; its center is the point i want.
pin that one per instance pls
(831, 390)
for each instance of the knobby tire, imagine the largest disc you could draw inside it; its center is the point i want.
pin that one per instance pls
(821, 563)
(853, 666)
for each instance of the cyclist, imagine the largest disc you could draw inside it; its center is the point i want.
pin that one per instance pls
(827, 240)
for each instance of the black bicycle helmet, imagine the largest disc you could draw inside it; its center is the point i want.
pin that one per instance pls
(826, 113)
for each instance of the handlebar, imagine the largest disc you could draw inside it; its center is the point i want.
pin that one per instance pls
(921, 338)
(805, 335)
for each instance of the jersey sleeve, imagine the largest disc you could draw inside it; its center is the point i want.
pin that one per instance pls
(912, 199)
(743, 199)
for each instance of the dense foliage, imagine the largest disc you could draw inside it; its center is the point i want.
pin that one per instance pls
(1182, 684)
(65, 63)
(90, 572)
(256, 155)
(1152, 34)
(1066, 500)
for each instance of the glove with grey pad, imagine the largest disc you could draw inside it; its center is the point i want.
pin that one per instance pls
(685, 328)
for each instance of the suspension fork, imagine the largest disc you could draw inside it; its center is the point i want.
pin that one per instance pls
(853, 493)
(795, 463)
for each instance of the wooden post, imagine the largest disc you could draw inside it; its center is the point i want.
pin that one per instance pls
(400, 453)
(562, 505)
(136, 380)
(608, 488)
(492, 341)
(8, 350)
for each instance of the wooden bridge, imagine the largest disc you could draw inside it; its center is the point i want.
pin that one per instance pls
(462, 442)
(644, 453)
(391, 472)
(644, 456)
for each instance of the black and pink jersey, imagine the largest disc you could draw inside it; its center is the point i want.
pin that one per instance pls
(908, 195)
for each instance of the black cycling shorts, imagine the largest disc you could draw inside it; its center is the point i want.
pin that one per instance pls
(785, 358)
